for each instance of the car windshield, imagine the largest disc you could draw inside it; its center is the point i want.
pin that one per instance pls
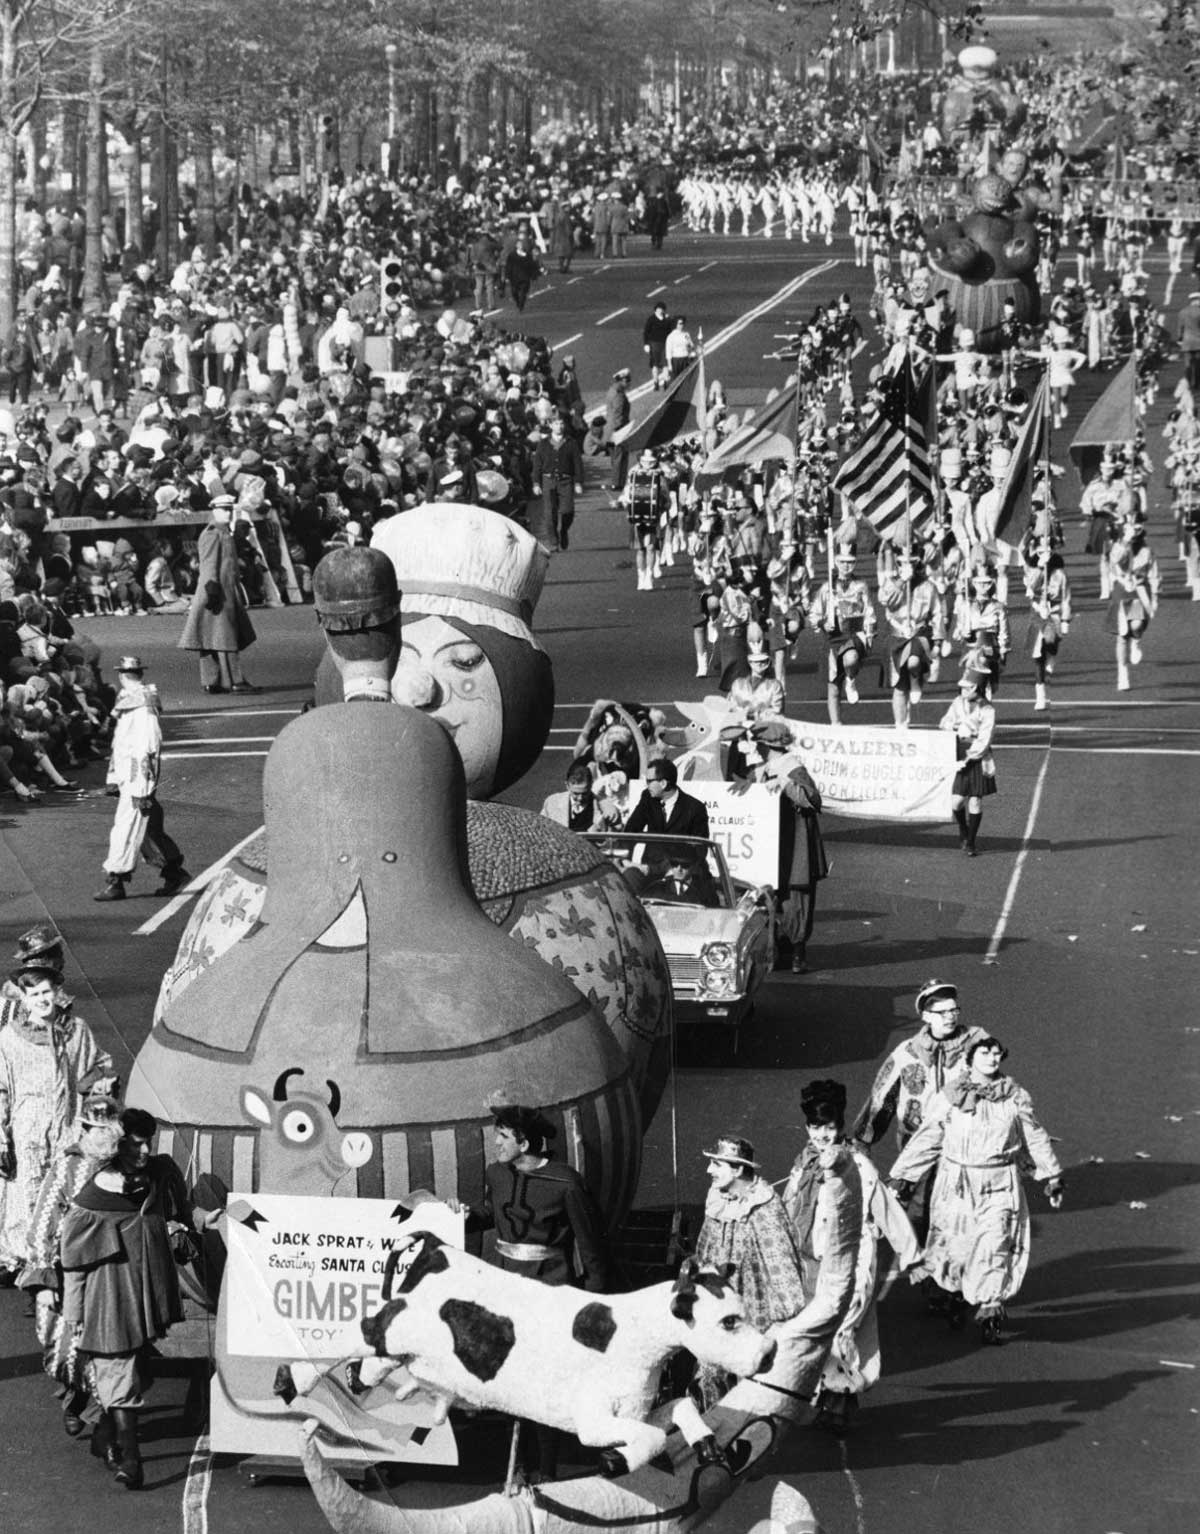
(671, 870)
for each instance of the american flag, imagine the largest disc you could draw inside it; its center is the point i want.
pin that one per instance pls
(887, 477)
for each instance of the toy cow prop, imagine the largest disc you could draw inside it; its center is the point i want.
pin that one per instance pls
(466, 1331)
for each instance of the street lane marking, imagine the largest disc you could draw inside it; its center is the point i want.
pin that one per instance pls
(196, 1484)
(1109, 750)
(1010, 894)
(222, 740)
(558, 345)
(1109, 729)
(661, 288)
(571, 281)
(201, 881)
(687, 277)
(709, 267)
(735, 327)
(206, 756)
(860, 1511)
(241, 713)
(1105, 703)
(613, 315)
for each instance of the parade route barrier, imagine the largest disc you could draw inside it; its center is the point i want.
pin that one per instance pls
(175, 521)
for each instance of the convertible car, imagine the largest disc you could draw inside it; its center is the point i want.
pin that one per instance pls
(717, 932)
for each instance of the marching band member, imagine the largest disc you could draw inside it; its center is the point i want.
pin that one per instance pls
(645, 505)
(843, 610)
(973, 720)
(1106, 501)
(1135, 581)
(915, 614)
(1049, 594)
(982, 622)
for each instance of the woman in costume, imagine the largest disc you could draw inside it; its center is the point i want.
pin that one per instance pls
(746, 1225)
(48, 1062)
(981, 1133)
(853, 1362)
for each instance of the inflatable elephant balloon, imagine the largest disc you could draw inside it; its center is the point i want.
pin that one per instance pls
(315, 958)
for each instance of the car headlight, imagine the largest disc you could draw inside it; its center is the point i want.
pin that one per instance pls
(718, 955)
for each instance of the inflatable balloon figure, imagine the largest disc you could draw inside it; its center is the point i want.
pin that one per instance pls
(315, 965)
(976, 100)
(990, 255)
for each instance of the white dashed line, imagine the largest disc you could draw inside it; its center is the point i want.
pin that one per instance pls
(860, 1511)
(687, 277)
(661, 288)
(1010, 895)
(224, 740)
(613, 315)
(558, 345)
(709, 267)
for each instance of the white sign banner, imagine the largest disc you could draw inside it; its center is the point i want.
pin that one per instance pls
(304, 1272)
(743, 821)
(878, 774)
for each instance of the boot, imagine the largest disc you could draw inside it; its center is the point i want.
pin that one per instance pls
(991, 1330)
(1040, 700)
(104, 1441)
(960, 820)
(173, 880)
(114, 888)
(129, 1461)
(973, 824)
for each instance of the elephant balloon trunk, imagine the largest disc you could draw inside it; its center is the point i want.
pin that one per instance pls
(357, 602)
(348, 1512)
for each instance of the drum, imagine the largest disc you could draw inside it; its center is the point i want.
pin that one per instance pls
(492, 487)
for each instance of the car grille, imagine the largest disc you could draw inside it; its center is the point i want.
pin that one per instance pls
(685, 971)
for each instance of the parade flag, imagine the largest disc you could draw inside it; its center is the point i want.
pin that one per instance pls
(681, 411)
(1016, 502)
(887, 478)
(1111, 422)
(770, 434)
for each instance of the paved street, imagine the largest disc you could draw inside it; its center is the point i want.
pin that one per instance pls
(1075, 936)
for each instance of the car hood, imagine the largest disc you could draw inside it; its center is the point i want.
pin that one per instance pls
(682, 927)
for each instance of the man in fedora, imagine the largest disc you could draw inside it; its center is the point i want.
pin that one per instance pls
(133, 770)
(746, 1224)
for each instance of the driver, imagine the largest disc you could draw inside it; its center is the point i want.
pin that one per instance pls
(684, 880)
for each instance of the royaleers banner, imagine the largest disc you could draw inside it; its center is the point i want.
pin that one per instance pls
(878, 774)
(302, 1274)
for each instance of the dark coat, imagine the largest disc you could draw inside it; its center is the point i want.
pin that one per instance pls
(119, 1275)
(230, 629)
(688, 817)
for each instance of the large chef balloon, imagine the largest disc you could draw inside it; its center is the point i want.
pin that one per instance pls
(365, 959)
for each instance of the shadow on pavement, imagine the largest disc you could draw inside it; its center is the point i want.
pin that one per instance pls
(940, 1425)
(1101, 1184)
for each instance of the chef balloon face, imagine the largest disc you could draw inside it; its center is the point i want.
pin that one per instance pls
(445, 673)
